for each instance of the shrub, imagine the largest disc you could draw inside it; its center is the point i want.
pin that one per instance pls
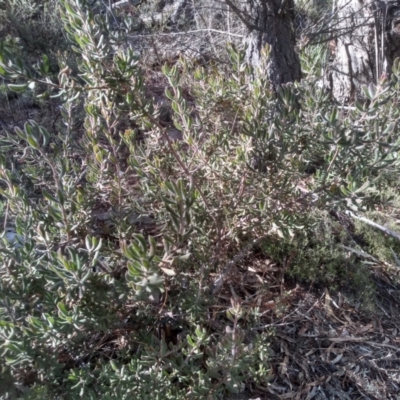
(122, 228)
(35, 25)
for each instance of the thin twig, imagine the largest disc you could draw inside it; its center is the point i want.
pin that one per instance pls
(208, 30)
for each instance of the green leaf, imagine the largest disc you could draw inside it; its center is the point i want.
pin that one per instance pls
(45, 135)
(371, 91)
(134, 270)
(45, 65)
(20, 133)
(48, 196)
(18, 88)
(334, 115)
(62, 309)
(60, 196)
(33, 142)
(114, 366)
(152, 244)
(366, 185)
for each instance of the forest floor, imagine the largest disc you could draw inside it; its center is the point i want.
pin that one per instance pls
(324, 345)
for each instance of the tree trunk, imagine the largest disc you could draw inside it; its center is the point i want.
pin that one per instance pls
(271, 22)
(368, 44)
(182, 15)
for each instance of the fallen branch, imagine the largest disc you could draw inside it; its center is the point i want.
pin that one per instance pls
(375, 225)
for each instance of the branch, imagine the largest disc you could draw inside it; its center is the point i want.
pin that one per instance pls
(375, 225)
(330, 30)
(241, 15)
(188, 32)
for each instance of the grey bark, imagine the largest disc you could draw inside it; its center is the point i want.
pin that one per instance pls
(271, 22)
(368, 43)
(174, 13)
(182, 14)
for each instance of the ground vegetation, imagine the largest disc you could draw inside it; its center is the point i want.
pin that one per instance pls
(177, 226)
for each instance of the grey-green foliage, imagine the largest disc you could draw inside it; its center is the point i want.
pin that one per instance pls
(314, 61)
(80, 301)
(64, 291)
(35, 26)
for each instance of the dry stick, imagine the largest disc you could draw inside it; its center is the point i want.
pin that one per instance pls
(375, 225)
(377, 61)
(207, 30)
(384, 17)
